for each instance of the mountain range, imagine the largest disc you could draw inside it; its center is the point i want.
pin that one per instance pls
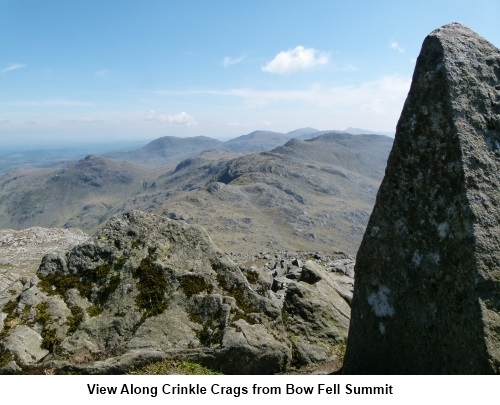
(290, 196)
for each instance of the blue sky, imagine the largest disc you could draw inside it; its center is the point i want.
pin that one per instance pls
(130, 69)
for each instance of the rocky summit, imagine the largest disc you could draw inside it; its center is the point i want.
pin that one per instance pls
(426, 297)
(146, 288)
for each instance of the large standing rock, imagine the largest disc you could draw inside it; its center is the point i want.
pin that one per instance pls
(427, 289)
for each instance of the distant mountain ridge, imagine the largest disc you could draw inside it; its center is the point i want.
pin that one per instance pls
(166, 150)
(170, 149)
(359, 131)
(82, 194)
(284, 198)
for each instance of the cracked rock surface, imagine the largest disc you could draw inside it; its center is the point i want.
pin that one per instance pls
(146, 287)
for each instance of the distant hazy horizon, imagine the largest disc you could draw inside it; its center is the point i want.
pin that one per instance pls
(10, 145)
(107, 71)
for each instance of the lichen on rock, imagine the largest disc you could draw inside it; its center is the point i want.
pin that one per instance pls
(426, 295)
(145, 282)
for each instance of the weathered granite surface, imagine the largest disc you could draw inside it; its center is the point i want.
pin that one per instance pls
(145, 288)
(427, 289)
(22, 250)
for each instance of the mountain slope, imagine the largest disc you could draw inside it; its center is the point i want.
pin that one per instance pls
(83, 194)
(304, 195)
(167, 149)
(172, 149)
(257, 141)
(362, 154)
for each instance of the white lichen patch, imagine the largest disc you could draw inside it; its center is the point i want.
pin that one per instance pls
(413, 121)
(380, 302)
(381, 328)
(375, 231)
(434, 258)
(2, 318)
(401, 226)
(416, 259)
(443, 229)
(492, 145)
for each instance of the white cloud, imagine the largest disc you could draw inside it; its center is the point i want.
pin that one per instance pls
(12, 66)
(396, 47)
(374, 104)
(295, 60)
(181, 118)
(228, 61)
(380, 92)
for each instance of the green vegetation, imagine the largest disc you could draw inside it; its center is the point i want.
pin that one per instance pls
(152, 287)
(293, 340)
(238, 292)
(75, 319)
(26, 310)
(11, 319)
(94, 310)
(5, 357)
(252, 276)
(339, 350)
(285, 317)
(106, 276)
(107, 289)
(212, 329)
(242, 301)
(197, 369)
(53, 284)
(194, 284)
(50, 341)
(10, 307)
(165, 367)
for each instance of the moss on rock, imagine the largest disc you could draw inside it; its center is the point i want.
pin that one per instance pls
(75, 319)
(152, 287)
(195, 284)
(50, 341)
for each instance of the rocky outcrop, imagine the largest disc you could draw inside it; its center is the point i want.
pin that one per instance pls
(146, 287)
(426, 297)
(314, 291)
(22, 251)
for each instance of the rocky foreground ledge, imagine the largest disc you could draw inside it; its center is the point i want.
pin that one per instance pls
(146, 288)
(22, 251)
